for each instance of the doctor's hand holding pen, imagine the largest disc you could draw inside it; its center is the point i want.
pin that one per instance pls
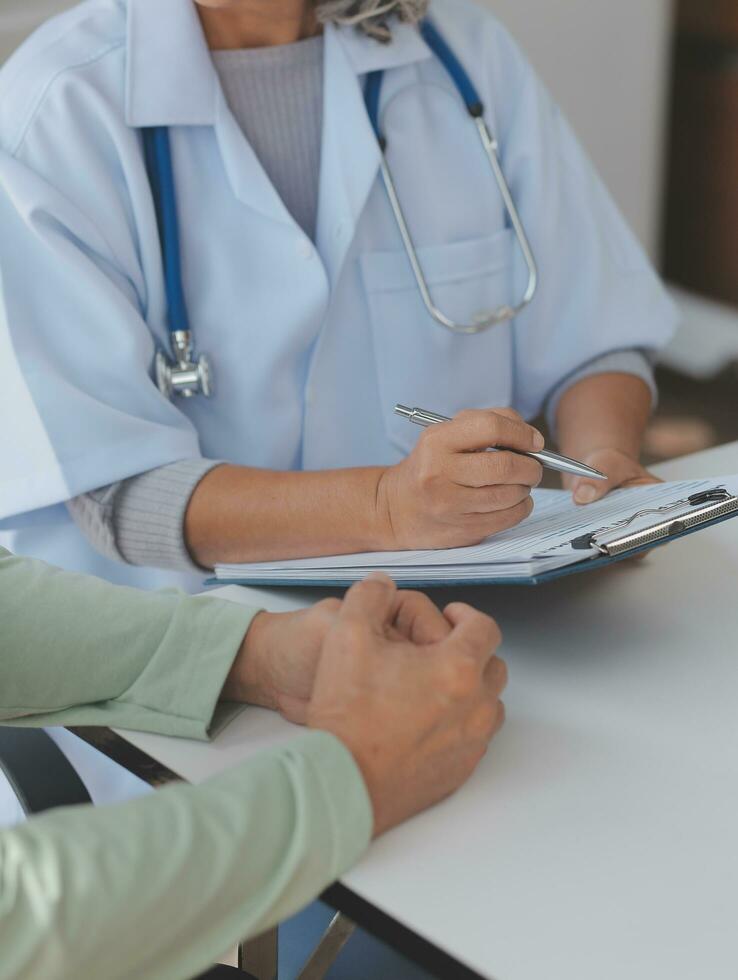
(449, 492)
(446, 493)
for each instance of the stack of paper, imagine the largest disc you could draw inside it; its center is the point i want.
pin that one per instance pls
(540, 544)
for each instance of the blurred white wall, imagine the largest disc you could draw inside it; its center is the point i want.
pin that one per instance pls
(607, 63)
(19, 17)
(605, 60)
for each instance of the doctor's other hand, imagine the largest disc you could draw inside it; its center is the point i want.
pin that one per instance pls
(621, 471)
(448, 492)
(417, 717)
(276, 664)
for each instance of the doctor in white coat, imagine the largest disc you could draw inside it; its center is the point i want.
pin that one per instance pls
(297, 286)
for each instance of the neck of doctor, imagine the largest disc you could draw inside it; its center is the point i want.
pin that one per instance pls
(256, 23)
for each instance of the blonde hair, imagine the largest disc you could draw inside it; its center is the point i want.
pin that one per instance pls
(371, 16)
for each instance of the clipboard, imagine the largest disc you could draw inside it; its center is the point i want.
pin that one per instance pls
(614, 543)
(703, 510)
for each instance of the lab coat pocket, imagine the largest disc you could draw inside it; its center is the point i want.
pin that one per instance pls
(418, 361)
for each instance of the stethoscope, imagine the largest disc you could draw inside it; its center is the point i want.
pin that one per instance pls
(184, 373)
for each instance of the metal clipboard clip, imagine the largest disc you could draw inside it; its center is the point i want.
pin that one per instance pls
(708, 505)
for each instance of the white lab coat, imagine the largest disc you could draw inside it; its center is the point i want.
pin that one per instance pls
(312, 345)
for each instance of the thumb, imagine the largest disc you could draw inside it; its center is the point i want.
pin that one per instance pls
(371, 603)
(587, 491)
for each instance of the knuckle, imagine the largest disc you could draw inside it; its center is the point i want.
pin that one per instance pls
(506, 496)
(487, 629)
(327, 609)
(425, 439)
(352, 631)
(494, 632)
(498, 497)
(467, 415)
(482, 722)
(514, 515)
(476, 754)
(501, 715)
(364, 589)
(460, 678)
(429, 440)
(504, 465)
(535, 472)
(498, 673)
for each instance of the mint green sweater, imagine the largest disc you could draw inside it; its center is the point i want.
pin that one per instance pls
(161, 886)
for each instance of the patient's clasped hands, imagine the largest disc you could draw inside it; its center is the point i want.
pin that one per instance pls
(412, 692)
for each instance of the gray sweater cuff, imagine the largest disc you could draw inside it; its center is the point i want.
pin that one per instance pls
(634, 362)
(141, 520)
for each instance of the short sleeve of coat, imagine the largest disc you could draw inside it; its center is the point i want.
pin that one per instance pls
(597, 291)
(80, 299)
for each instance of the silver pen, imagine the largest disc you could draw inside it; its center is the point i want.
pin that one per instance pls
(553, 461)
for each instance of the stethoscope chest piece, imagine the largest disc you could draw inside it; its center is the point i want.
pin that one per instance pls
(185, 376)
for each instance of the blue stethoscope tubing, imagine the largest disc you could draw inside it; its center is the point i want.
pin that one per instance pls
(158, 155)
(184, 373)
(188, 376)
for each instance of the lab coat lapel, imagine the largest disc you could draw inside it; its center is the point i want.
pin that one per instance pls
(248, 179)
(350, 156)
(350, 153)
(171, 81)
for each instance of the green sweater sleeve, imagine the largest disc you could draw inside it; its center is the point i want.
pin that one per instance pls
(78, 651)
(161, 886)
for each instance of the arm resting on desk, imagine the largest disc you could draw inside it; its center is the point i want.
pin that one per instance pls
(78, 651)
(161, 886)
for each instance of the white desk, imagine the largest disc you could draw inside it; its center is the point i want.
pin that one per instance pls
(599, 838)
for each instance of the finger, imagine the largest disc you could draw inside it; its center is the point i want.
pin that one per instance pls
(509, 413)
(587, 491)
(477, 429)
(370, 603)
(488, 500)
(501, 715)
(473, 634)
(494, 468)
(420, 620)
(492, 500)
(326, 611)
(486, 720)
(481, 526)
(495, 676)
